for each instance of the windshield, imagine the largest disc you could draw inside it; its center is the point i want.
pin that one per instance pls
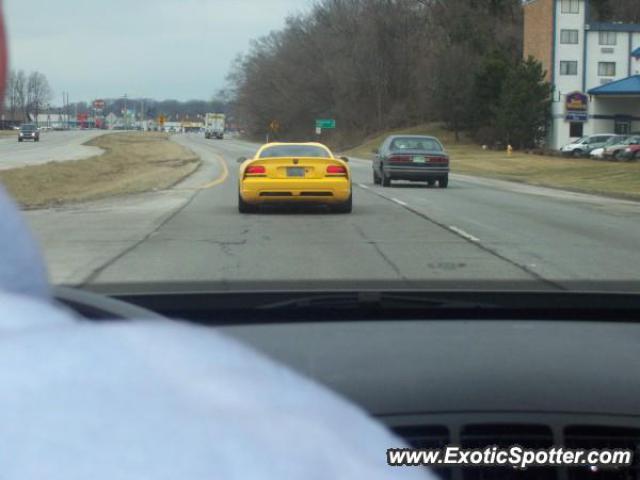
(294, 151)
(615, 140)
(416, 144)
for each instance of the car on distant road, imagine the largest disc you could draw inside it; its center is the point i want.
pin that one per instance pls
(411, 157)
(28, 131)
(614, 140)
(585, 145)
(617, 150)
(286, 173)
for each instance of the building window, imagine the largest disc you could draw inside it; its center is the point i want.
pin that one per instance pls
(569, 67)
(622, 126)
(570, 6)
(607, 69)
(569, 36)
(608, 38)
(576, 129)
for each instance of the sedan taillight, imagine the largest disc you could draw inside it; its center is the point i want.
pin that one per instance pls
(439, 160)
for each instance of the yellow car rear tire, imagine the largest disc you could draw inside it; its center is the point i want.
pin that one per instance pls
(244, 207)
(344, 207)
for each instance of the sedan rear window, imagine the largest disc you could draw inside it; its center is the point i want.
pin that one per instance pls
(294, 151)
(428, 144)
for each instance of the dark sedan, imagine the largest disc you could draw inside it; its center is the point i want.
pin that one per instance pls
(29, 132)
(415, 158)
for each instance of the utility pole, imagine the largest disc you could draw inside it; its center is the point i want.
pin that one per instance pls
(126, 113)
(142, 116)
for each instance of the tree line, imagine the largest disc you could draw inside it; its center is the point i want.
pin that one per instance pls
(375, 65)
(380, 64)
(173, 110)
(27, 94)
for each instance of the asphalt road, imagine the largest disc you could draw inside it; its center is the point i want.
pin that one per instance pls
(471, 235)
(53, 146)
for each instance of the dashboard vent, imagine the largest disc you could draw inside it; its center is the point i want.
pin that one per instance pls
(594, 437)
(506, 435)
(427, 436)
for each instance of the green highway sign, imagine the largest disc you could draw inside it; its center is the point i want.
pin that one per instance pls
(326, 124)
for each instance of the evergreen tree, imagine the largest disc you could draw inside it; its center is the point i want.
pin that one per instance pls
(525, 105)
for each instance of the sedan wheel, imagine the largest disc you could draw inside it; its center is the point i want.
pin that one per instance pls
(386, 181)
(577, 153)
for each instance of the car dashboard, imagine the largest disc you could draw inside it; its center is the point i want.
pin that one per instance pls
(451, 375)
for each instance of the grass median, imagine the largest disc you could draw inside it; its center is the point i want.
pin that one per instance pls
(131, 163)
(579, 175)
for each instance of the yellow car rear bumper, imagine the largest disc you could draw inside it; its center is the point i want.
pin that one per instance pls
(268, 190)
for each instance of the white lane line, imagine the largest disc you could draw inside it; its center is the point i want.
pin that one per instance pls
(464, 234)
(399, 202)
(362, 185)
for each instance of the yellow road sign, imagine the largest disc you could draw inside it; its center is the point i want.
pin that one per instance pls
(274, 126)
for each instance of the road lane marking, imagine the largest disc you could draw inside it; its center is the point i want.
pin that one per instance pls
(464, 234)
(475, 241)
(362, 185)
(400, 202)
(222, 178)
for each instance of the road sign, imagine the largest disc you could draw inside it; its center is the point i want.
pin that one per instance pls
(161, 120)
(326, 124)
(318, 131)
(274, 126)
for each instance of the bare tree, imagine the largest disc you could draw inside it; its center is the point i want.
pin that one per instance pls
(16, 94)
(39, 93)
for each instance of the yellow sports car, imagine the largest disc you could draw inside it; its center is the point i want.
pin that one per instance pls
(294, 173)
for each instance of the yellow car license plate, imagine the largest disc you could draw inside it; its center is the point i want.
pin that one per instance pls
(295, 172)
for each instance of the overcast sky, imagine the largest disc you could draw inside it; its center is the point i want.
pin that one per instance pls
(161, 49)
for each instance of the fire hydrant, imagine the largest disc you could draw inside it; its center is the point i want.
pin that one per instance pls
(509, 150)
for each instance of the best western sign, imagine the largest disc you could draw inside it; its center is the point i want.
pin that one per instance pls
(577, 107)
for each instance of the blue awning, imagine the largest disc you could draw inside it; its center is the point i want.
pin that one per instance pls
(636, 53)
(625, 86)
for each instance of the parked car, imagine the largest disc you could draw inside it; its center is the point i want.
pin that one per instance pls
(632, 152)
(28, 131)
(585, 145)
(411, 157)
(599, 152)
(617, 150)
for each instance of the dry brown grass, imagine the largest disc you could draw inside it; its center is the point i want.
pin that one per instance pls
(8, 133)
(132, 163)
(580, 175)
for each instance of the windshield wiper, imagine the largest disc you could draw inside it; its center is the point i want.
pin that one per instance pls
(373, 300)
